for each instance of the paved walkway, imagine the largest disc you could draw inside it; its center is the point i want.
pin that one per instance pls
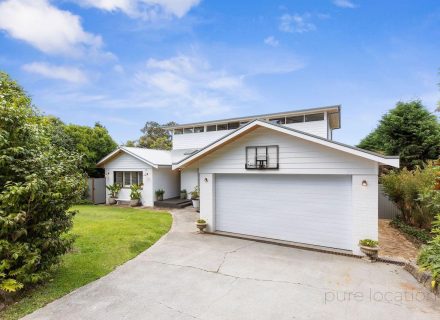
(394, 244)
(197, 276)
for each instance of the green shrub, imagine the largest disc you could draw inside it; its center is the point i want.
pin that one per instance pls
(114, 189)
(414, 193)
(429, 257)
(369, 243)
(136, 191)
(195, 194)
(418, 234)
(38, 184)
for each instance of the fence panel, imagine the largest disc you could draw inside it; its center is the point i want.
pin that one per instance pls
(387, 208)
(96, 190)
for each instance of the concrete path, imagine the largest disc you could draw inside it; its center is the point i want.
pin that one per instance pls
(197, 276)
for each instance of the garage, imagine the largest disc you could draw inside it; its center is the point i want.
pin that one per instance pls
(268, 181)
(310, 209)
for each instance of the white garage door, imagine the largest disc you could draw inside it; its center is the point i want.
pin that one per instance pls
(302, 208)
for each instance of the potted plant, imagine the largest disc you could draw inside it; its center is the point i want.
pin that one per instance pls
(370, 248)
(201, 225)
(183, 194)
(135, 195)
(114, 190)
(195, 197)
(159, 194)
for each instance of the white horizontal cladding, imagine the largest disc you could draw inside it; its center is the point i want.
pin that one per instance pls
(317, 128)
(168, 180)
(189, 179)
(197, 140)
(365, 206)
(125, 161)
(296, 156)
(202, 139)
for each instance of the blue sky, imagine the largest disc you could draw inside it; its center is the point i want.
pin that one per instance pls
(125, 62)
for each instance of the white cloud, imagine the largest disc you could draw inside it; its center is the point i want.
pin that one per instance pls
(344, 4)
(190, 82)
(296, 23)
(271, 41)
(118, 68)
(70, 74)
(147, 9)
(46, 27)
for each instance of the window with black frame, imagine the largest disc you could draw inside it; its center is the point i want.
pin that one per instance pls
(128, 178)
(262, 157)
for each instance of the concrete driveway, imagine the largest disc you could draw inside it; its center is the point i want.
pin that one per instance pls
(194, 276)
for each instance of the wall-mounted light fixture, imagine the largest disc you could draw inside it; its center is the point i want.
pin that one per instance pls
(206, 179)
(364, 183)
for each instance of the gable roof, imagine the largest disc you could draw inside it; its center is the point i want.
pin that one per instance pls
(154, 158)
(387, 160)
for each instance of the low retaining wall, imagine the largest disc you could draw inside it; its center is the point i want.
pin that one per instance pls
(424, 277)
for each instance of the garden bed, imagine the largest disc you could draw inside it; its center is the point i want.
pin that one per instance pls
(416, 235)
(394, 244)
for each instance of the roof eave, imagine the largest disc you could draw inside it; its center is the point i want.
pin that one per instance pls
(122, 149)
(336, 108)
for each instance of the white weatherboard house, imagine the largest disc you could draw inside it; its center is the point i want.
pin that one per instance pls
(277, 176)
(151, 168)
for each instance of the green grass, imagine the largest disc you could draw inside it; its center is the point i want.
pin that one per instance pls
(105, 238)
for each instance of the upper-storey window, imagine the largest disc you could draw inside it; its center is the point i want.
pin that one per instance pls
(223, 126)
(199, 129)
(314, 117)
(278, 120)
(178, 131)
(188, 130)
(233, 125)
(211, 128)
(295, 119)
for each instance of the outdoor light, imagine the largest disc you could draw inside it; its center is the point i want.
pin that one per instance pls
(206, 179)
(364, 183)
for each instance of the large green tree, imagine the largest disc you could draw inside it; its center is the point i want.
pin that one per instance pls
(154, 136)
(94, 143)
(410, 131)
(39, 182)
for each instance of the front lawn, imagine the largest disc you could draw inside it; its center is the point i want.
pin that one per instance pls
(105, 238)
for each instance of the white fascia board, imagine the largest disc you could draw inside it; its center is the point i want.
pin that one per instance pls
(110, 155)
(122, 149)
(391, 161)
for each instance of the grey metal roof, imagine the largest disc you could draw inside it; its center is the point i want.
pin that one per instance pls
(337, 108)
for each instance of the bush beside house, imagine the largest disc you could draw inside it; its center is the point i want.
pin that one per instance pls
(39, 182)
(415, 193)
(429, 257)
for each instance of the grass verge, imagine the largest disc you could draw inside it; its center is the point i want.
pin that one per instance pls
(106, 237)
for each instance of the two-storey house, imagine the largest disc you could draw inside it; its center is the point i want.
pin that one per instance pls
(277, 176)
